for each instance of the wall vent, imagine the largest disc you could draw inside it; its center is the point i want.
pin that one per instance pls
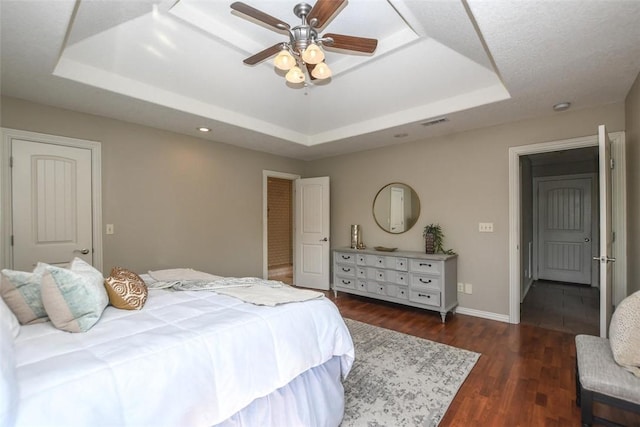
(435, 121)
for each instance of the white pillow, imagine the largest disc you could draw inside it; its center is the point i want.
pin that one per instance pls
(74, 298)
(9, 319)
(624, 333)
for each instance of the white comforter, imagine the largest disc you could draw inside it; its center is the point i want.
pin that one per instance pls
(185, 359)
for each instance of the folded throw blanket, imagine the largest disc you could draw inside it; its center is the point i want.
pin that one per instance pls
(248, 289)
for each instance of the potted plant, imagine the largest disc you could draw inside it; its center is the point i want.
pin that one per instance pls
(434, 239)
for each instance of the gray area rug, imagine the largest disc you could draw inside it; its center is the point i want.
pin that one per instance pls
(401, 380)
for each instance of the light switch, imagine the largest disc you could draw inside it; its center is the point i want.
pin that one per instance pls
(485, 227)
(110, 229)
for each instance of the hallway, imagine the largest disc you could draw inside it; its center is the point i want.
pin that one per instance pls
(563, 307)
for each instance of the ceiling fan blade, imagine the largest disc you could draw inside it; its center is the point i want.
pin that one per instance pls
(310, 68)
(259, 15)
(358, 44)
(322, 11)
(261, 56)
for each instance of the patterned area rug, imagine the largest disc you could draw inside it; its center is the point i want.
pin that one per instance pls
(401, 380)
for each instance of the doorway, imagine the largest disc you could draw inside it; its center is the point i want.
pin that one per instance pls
(521, 249)
(561, 229)
(280, 229)
(279, 268)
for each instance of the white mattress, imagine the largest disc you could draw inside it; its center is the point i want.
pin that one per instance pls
(187, 358)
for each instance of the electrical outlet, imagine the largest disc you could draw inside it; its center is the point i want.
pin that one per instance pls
(485, 227)
(468, 288)
(460, 287)
(110, 229)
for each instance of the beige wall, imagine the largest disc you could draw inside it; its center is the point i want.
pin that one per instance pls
(632, 135)
(181, 201)
(461, 180)
(175, 200)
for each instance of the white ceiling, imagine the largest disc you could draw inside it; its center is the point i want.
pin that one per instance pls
(177, 65)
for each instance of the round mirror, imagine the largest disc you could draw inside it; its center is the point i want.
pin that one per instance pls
(396, 208)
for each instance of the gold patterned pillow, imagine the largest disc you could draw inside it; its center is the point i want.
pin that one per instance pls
(126, 289)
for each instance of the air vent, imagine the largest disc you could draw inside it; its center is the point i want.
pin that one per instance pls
(435, 121)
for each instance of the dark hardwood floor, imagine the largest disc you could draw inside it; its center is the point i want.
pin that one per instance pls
(525, 376)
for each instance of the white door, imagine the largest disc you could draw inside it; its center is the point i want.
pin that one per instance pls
(564, 230)
(51, 204)
(396, 208)
(606, 235)
(311, 263)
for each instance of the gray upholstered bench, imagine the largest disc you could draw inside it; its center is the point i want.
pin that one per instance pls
(600, 379)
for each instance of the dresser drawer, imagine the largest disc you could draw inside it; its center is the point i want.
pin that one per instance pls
(361, 259)
(342, 282)
(400, 292)
(344, 258)
(376, 288)
(397, 277)
(361, 285)
(425, 266)
(345, 270)
(361, 272)
(423, 281)
(377, 274)
(431, 298)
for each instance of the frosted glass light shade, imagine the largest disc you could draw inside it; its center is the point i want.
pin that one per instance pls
(295, 75)
(313, 54)
(284, 60)
(321, 71)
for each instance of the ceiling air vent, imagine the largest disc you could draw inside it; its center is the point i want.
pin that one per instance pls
(435, 121)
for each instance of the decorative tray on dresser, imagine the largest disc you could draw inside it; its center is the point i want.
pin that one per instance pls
(410, 278)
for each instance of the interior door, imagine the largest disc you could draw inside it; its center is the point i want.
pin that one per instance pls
(51, 204)
(606, 235)
(396, 210)
(311, 265)
(564, 230)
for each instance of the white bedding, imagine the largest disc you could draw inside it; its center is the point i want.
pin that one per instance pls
(186, 359)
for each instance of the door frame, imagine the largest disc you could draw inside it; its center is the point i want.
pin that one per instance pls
(266, 174)
(595, 221)
(619, 217)
(6, 220)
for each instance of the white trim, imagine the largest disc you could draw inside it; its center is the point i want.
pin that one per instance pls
(266, 174)
(483, 314)
(8, 135)
(617, 139)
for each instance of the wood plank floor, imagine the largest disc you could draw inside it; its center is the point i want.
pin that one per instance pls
(525, 376)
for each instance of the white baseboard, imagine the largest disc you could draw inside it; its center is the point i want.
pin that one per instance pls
(484, 314)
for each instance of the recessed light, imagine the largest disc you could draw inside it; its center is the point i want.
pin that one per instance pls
(204, 129)
(401, 135)
(561, 106)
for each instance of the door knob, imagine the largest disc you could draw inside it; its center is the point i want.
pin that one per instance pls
(82, 251)
(604, 259)
(587, 240)
(324, 240)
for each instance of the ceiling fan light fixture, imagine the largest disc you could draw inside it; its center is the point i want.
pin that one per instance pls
(295, 75)
(313, 54)
(284, 60)
(321, 71)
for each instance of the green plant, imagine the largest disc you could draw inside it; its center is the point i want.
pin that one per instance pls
(435, 230)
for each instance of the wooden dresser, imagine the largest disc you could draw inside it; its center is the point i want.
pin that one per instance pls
(411, 278)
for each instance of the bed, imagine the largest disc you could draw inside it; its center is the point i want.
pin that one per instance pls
(189, 358)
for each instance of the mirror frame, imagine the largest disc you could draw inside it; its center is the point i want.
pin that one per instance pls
(413, 192)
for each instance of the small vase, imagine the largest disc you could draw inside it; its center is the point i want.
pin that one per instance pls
(429, 243)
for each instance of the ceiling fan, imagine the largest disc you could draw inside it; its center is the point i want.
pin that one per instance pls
(302, 51)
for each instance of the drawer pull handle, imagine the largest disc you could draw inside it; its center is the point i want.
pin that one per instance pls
(346, 270)
(346, 257)
(422, 281)
(346, 282)
(422, 264)
(424, 295)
